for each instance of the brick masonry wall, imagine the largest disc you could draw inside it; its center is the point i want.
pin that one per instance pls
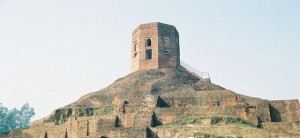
(285, 110)
(164, 46)
(168, 47)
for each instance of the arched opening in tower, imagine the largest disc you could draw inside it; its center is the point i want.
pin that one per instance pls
(134, 49)
(148, 42)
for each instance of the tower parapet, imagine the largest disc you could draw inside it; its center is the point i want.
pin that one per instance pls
(155, 45)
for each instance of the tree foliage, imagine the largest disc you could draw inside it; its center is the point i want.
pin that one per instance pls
(14, 118)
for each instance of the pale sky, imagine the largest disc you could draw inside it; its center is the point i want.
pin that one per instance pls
(54, 51)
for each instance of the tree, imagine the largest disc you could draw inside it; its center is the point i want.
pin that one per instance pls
(14, 118)
(3, 116)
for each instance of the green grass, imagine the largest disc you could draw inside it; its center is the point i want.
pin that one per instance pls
(106, 110)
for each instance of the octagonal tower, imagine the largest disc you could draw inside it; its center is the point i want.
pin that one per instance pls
(155, 45)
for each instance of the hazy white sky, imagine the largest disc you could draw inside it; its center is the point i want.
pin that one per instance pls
(53, 51)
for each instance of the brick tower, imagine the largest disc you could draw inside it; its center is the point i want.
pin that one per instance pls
(155, 45)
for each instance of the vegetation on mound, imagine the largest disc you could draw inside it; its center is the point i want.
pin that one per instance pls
(61, 115)
(106, 110)
(227, 120)
(206, 120)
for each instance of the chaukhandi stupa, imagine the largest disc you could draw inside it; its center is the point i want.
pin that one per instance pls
(162, 98)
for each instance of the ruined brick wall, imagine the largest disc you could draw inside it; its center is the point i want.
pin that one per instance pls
(174, 114)
(284, 110)
(90, 127)
(160, 102)
(164, 47)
